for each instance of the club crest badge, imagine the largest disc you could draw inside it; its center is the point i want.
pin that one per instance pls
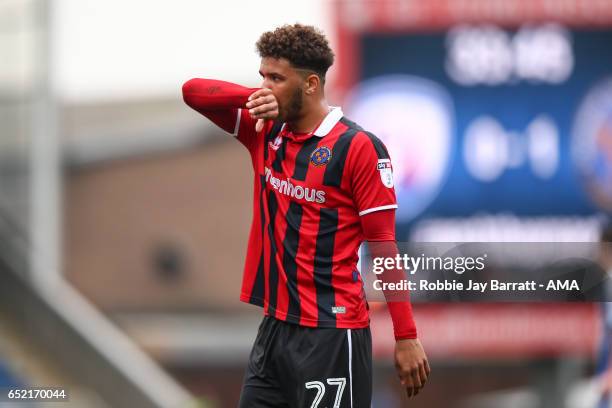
(386, 172)
(320, 156)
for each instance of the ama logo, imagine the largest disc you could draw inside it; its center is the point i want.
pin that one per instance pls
(414, 118)
(592, 143)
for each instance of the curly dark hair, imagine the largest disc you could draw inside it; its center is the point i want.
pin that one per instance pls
(305, 47)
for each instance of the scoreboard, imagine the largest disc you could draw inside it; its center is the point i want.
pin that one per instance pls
(498, 119)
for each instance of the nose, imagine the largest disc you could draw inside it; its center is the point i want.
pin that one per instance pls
(266, 84)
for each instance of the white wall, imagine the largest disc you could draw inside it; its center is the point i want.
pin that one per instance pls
(115, 49)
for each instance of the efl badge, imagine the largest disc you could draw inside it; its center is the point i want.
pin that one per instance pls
(320, 156)
(386, 173)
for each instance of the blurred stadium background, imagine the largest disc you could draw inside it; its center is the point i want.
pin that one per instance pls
(124, 214)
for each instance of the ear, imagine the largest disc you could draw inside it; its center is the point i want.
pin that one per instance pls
(311, 84)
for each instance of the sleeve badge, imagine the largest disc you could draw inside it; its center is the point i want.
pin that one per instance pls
(386, 172)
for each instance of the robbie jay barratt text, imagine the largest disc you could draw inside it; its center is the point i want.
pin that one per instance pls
(493, 285)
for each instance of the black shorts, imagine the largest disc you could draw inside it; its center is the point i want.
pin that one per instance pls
(295, 366)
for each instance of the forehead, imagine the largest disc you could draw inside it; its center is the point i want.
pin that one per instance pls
(278, 65)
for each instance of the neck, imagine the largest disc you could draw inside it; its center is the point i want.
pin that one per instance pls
(309, 121)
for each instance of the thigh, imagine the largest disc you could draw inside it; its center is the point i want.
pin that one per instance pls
(330, 368)
(261, 387)
(361, 367)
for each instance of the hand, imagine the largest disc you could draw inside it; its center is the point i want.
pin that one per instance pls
(262, 105)
(412, 365)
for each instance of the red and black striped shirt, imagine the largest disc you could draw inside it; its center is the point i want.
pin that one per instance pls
(309, 193)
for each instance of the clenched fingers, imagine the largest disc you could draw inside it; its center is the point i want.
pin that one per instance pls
(263, 92)
(260, 100)
(262, 104)
(267, 111)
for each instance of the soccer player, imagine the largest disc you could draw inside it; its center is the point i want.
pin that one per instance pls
(322, 185)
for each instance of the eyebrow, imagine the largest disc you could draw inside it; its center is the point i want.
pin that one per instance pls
(272, 73)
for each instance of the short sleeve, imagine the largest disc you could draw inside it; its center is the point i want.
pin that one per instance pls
(371, 174)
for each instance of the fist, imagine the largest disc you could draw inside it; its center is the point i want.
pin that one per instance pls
(262, 105)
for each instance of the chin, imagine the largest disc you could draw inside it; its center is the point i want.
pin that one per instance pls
(281, 117)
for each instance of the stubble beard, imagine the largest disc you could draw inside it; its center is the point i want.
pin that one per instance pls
(294, 107)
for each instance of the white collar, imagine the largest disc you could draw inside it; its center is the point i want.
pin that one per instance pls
(334, 115)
